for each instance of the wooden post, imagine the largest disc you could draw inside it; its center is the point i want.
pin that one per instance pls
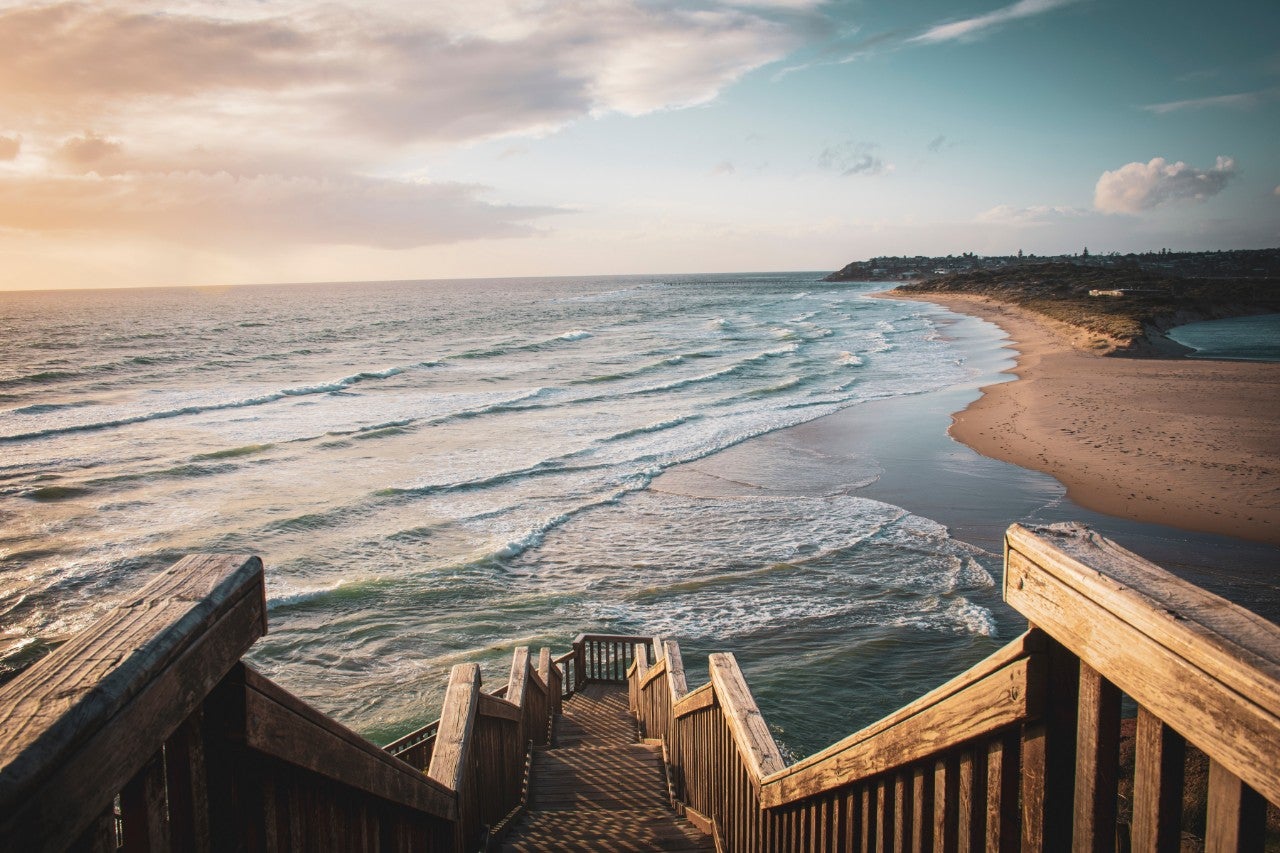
(1097, 763)
(1159, 754)
(80, 723)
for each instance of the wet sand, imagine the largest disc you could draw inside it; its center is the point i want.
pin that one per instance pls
(1190, 443)
(899, 451)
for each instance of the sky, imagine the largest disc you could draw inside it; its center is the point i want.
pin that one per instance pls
(201, 142)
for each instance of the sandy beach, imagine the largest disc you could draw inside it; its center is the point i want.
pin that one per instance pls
(1189, 443)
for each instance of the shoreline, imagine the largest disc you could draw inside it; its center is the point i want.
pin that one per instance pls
(898, 450)
(1192, 443)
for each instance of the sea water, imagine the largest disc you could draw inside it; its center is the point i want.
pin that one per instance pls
(434, 472)
(1240, 338)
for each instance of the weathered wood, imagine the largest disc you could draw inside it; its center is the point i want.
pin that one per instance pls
(1002, 795)
(653, 673)
(457, 718)
(1196, 661)
(755, 744)
(492, 706)
(519, 677)
(675, 670)
(77, 725)
(1236, 819)
(1097, 763)
(921, 809)
(1210, 632)
(278, 724)
(544, 665)
(1159, 753)
(1007, 696)
(144, 815)
(695, 700)
(946, 805)
(187, 786)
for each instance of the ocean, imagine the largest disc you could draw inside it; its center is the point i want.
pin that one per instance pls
(434, 472)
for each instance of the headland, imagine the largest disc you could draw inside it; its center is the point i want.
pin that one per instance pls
(1155, 437)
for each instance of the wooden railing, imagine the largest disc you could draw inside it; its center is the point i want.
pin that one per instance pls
(149, 732)
(1020, 752)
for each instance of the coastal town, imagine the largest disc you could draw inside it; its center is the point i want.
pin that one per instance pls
(1237, 264)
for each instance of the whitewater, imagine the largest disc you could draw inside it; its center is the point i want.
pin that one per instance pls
(434, 472)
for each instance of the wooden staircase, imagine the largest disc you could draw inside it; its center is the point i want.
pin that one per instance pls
(597, 788)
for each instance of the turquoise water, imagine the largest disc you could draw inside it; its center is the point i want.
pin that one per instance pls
(434, 472)
(1243, 338)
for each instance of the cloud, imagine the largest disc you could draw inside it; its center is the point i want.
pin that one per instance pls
(453, 71)
(971, 28)
(1033, 216)
(89, 153)
(853, 158)
(937, 143)
(1276, 191)
(219, 208)
(9, 147)
(1240, 101)
(1138, 187)
(724, 167)
(233, 120)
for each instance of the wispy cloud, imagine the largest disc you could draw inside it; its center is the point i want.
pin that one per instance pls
(1239, 100)
(273, 116)
(1033, 216)
(1138, 187)
(853, 158)
(266, 210)
(970, 28)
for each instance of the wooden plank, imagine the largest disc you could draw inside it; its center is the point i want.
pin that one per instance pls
(1159, 755)
(1210, 632)
(1002, 796)
(1097, 764)
(1230, 726)
(1005, 697)
(1236, 820)
(77, 725)
(187, 786)
(675, 670)
(457, 718)
(492, 706)
(756, 747)
(654, 671)
(144, 816)
(280, 725)
(921, 809)
(1030, 642)
(946, 793)
(696, 700)
(519, 677)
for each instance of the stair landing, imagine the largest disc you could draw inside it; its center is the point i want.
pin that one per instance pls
(597, 789)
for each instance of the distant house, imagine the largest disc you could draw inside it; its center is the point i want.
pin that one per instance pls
(1130, 291)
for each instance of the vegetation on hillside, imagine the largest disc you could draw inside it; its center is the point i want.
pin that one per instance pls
(1130, 324)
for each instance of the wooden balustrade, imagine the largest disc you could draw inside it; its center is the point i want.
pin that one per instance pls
(1020, 752)
(148, 732)
(145, 732)
(605, 657)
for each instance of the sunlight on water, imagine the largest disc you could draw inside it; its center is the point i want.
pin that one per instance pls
(433, 472)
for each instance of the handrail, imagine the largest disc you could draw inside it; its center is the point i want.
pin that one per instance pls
(80, 723)
(1023, 747)
(148, 730)
(1218, 665)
